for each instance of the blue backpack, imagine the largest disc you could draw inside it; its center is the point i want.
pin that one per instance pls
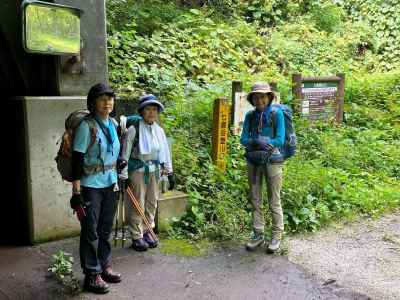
(290, 145)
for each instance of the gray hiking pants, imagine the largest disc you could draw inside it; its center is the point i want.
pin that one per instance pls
(147, 195)
(273, 177)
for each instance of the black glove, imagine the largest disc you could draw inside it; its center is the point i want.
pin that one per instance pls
(172, 182)
(263, 145)
(78, 206)
(121, 164)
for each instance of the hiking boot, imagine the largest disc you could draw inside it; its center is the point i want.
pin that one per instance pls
(110, 276)
(95, 284)
(140, 245)
(149, 240)
(274, 245)
(256, 240)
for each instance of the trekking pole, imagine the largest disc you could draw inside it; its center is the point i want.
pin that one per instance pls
(116, 225)
(123, 217)
(137, 206)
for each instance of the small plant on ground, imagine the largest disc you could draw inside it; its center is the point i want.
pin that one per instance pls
(61, 268)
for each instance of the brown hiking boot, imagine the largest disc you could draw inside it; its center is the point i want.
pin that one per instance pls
(110, 276)
(95, 284)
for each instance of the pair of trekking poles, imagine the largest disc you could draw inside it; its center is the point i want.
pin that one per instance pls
(137, 207)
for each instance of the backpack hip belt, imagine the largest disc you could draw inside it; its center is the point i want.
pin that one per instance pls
(136, 164)
(93, 169)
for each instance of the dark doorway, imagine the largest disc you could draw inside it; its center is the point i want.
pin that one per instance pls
(21, 73)
(14, 221)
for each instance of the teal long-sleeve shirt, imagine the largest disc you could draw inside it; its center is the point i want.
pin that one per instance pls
(250, 131)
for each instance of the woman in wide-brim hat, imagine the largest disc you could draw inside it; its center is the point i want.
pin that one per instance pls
(147, 151)
(262, 135)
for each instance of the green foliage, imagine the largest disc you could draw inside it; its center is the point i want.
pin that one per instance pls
(189, 55)
(197, 49)
(266, 13)
(384, 17)
(61, 268)
(328, 17)
(339, 172)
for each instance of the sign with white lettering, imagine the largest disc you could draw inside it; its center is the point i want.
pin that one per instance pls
(319, 97)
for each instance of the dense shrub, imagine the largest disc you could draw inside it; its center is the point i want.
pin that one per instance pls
(188, 55)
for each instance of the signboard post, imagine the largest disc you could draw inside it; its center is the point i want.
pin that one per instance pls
(220, 132)
(319, 97)
(240, 108)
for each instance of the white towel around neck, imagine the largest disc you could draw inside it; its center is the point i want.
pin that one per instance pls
(152, 139)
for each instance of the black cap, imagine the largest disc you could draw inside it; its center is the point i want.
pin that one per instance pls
(96, 91)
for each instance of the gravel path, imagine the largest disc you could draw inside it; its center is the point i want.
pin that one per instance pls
(362, 255)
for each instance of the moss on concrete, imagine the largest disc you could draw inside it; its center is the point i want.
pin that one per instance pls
(54, 235)
(185, 248)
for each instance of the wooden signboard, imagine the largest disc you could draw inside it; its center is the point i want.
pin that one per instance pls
(319, 97)
(220, 132)
(240, 108)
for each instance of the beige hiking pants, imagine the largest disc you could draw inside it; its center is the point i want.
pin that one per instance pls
(273, 177)
(147, 196)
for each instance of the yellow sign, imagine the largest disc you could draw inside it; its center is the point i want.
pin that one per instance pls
(220, 132)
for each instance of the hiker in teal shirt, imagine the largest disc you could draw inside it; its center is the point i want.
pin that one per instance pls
(100, 152)
(263, 134)
(94, 187)
(250, 135)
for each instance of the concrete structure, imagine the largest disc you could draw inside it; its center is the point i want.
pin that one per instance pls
(42, 90)
(24, 74)
(38, 207)
(49, 212)
(171, 204)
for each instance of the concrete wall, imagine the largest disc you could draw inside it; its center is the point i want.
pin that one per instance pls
(44, 75)
(94, 49)
(171, 205)
(48, 196)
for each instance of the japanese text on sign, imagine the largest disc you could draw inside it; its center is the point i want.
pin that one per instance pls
(319, 97)
(220, 132)
(319, 102)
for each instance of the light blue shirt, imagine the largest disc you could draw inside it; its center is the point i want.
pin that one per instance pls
(82, 141)
(249, 132)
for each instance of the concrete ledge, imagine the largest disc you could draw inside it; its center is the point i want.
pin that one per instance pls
(171, 204)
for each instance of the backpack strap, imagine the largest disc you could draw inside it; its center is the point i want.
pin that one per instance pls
(136, 139)
(114, 122)
(135, 144)
(253, 122)
(274, 109)
(93, 131)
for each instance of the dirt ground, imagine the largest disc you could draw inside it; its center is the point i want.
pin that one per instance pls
(225, 273)
(355, 261)
(362, 255)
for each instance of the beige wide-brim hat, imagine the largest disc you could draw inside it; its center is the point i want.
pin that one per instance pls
(259, 87)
